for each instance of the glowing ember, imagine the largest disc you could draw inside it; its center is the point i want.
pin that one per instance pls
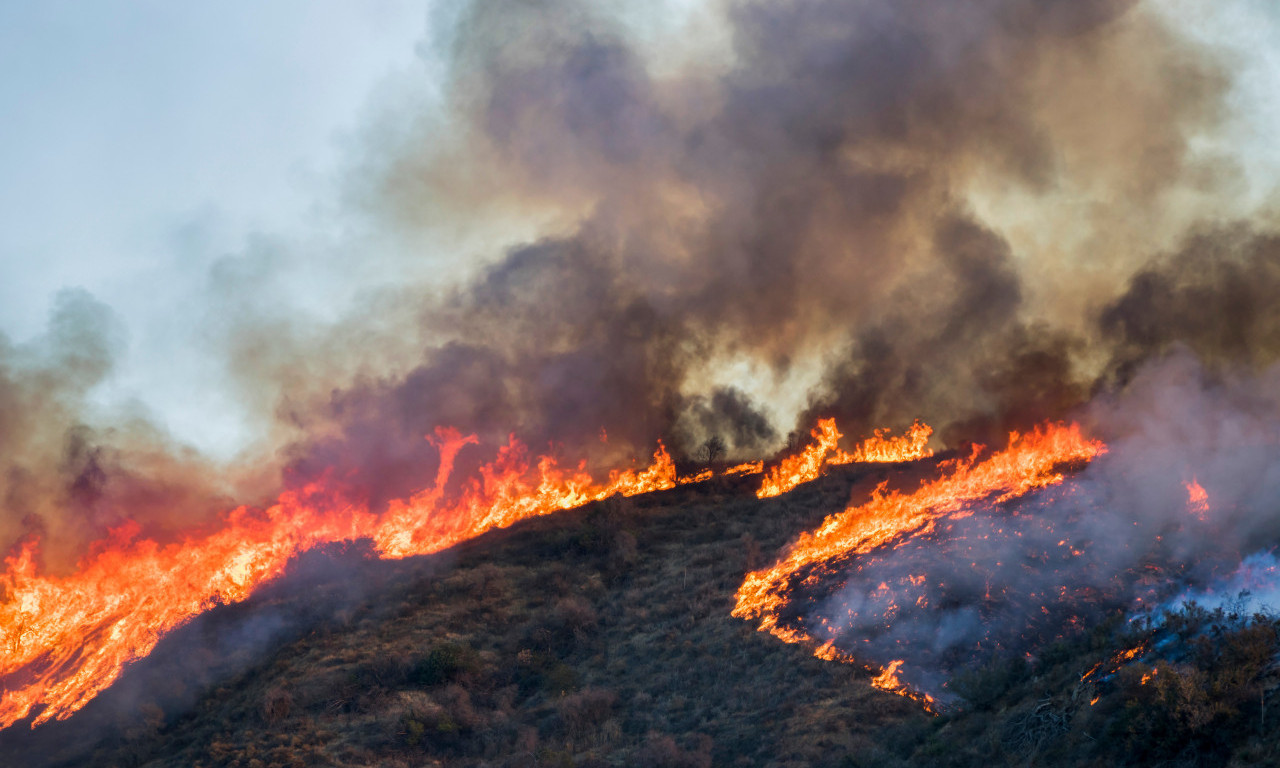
(1030, 462)
(809, 463)
(68, 638)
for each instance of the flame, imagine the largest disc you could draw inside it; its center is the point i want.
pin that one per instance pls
(809, 463)
(1031, 461)
(705, 474)
(66, 639)
(888, 680)
(1197, 499)
(749, 468)
(881, 447)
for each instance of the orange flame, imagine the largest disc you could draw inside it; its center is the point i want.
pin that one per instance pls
(888, 680)
(1031, 461)
(881, 447)
(705, 474)
(823, 451)
(1197, 499)
(66, 639)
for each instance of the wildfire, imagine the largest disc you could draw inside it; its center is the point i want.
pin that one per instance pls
(887, 680)
(66, 639)
(1029, 462)
(705, 474)
(1197, 499)
(824, 451)
(749, 468)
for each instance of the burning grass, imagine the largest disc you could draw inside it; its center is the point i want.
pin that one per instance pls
(69, 637)
(600, 636)
(891, 520)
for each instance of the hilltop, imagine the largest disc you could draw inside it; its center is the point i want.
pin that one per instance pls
(601, 636)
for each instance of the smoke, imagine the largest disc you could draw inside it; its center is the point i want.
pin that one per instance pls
(1215, 295)
(69, 481)
(657, 234)
(1126, 533)
(1253, 588)
(808, 211)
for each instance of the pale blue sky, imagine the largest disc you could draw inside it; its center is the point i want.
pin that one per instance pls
(126, 122)
(141, 140)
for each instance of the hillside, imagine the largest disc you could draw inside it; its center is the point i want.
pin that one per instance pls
(602, 636)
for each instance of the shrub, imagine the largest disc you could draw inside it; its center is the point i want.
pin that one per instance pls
(445, 663)
(586, 710)
(572, 617)
(276, 704)
(661, 751)
(984, 686)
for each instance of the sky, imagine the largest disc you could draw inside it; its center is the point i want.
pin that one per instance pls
(144, 141)
(144, 146)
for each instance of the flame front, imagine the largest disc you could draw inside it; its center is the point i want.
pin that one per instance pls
(66, 639)
(887, 680)
(824, 450)
(1029, 462)
(1197, 499)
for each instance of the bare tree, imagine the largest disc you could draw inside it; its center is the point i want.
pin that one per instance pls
(713, 448)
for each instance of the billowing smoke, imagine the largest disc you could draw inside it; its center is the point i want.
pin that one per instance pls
(823, 211)
(802, 216)
(68, 482)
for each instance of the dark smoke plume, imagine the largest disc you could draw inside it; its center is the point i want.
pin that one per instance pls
(813, 214)
(804, 209)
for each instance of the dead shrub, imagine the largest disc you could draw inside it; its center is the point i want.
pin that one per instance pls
(586, 710)
(661, 751)
(277, 703)
(573, 616)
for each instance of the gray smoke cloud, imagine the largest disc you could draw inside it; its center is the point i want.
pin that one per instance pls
(66, 479)
(806, 208)
(811, 208)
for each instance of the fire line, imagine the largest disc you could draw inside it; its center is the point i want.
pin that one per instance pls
(1029, 462)
(68, 638)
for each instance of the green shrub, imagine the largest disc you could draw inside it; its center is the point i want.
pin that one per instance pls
(445, 663)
